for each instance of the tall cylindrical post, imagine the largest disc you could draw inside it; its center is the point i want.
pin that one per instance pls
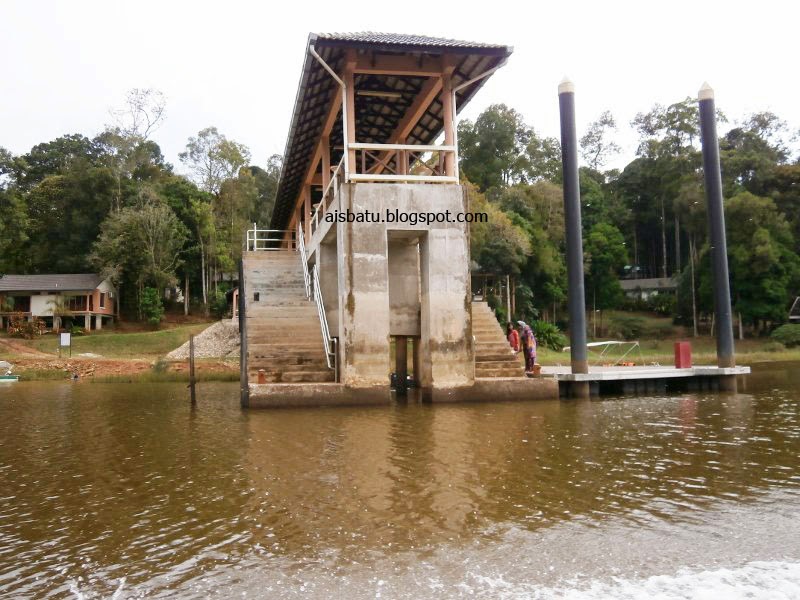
(716, 222)
(572, 220)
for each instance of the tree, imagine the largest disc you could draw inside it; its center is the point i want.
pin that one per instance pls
(267, 185)
(497, 246)
(13, 215)
(605, 255)
(492, 148)
(763, 265)
(596, 148)
(143, 112)
(141, 244)
(212, 158)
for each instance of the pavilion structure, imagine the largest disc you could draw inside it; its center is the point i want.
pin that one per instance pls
(345, 288)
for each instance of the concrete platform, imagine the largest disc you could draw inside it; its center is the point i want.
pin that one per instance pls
(275, 395)
(622, 373)
(495, 389)
(644, 380)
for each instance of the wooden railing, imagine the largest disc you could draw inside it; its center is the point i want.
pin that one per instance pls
(412, 163)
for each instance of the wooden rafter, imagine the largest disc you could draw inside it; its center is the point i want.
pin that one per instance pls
(430, 90)
(377, 64)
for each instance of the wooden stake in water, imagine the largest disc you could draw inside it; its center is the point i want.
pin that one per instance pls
(191, 370)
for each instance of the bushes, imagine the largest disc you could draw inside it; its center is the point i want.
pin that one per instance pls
(626, 327)
(548, 335)
(150, 306)
(788, 335)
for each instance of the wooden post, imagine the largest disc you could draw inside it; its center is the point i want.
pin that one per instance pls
(191, 371)
(446, 98)
(326, 162)
(307, 211)
(350, 108)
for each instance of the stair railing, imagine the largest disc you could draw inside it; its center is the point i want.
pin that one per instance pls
(313, 291)
(329, 342)
(301, 244)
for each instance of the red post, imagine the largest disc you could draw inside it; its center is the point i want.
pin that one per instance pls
(683, 355)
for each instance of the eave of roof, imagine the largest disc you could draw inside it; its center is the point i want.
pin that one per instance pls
(74, 282)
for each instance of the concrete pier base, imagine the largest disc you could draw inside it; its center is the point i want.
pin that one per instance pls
(275, 395)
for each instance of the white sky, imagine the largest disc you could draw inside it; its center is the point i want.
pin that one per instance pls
(236, 64)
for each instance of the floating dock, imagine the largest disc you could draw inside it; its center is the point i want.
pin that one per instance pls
(645, 379)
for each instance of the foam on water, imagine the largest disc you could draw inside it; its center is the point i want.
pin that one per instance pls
(773, 580)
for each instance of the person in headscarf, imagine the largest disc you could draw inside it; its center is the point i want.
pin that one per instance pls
(528, 345)
(512, 336)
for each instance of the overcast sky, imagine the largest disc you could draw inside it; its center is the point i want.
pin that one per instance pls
(236, 64)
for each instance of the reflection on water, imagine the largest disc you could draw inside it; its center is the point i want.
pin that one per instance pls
(124, 488)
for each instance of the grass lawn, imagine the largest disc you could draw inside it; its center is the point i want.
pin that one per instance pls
(111, 344)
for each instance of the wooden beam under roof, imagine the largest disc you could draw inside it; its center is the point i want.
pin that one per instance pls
(399, 65)
(430, 90)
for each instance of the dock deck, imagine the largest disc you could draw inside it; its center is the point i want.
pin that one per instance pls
(655, 378)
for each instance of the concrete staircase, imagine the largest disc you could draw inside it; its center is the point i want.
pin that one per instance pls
(283, 333)
(493, 355)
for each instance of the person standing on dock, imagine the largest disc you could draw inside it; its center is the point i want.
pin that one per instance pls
(528, 345)
(512, 336)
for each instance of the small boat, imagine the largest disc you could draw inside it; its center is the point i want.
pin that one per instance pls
(8, 378)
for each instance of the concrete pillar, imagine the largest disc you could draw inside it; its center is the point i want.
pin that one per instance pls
(328, 263)
(364, 294)
(87, 322)
(98, 322)
(446, 357)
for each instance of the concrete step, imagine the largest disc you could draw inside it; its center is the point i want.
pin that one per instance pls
(499, 372)
(288, 362)
(294, 376)
(271, 367)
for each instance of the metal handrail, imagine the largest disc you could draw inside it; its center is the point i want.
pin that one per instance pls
(330, 190)
(329, 342)
(257, 242)
(301, 245)
(313, 287)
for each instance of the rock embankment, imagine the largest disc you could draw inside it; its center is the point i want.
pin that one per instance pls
(221, 340)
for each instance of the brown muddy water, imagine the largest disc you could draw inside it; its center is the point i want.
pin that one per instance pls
(123, 491)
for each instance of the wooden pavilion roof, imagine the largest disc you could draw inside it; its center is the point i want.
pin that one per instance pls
(395, 81)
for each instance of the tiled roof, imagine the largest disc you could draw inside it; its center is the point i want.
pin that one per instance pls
(78, 282)
(376, 117)
(400, 39)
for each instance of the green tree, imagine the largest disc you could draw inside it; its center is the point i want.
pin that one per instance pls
(596, 147)
(212, 158)
(605, 254)
(150, 306)
(764, 268)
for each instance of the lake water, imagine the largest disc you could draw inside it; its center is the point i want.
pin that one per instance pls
(123, 491)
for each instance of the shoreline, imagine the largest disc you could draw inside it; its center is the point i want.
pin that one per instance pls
(142, 370)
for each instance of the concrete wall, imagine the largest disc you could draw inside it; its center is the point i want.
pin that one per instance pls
(365, 315)
(41, 305)
(328, 281)
(404, 299)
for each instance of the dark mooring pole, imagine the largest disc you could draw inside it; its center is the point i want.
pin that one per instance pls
(191, 370)
(572, 220)
(716, 224)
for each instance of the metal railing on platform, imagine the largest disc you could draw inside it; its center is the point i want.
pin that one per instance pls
(268, 239)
